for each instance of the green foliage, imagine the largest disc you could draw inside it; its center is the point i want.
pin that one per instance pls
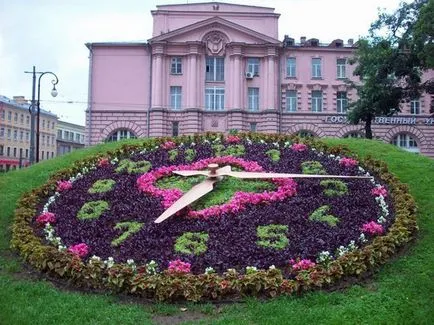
(321, 215)
(133, 167)
(274, 154)
(131, 227)
(190, 154)
(102, 186)
(92, 210)
(173, 154)
(236, 150)
(272, 236)
(390, 66)
(312, 167)
(333, 187)
(180, 182)
(192, 243)
(233, 131)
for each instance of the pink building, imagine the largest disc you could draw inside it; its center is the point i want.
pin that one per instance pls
(217, 66)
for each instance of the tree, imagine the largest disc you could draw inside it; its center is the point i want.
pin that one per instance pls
(390, 62)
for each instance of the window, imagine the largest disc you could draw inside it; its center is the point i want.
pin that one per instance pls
(15, 135)
(214, 98)
(316, 101)
(305, 134)
(27, 136)
(215, 69)
(27, 119)
(176, 65)
(66, 135)
(77, 138)
(27, 153)
(1, 150)
(354, 135)
(15, 152)
(415, 106)
(9, 133)
(21, 135)
(2, 132)
(42, 154)
(175, 97)
(82, 138)
(43, 140)
(253, 99)
(120, 135)
(21, 153)
(52, 154)
(52, 140)
(291, 100)
(52, 125)
(71, 136)
(9, 116)
(175, 128)
(291, 67)
(9, 151)
(316, 68)
(22, 118)
(341, 102)
(253, 126)
(3, 115)
(253, 66)
(406, 142)
(340, 65)
(16, 117)
(59, 134)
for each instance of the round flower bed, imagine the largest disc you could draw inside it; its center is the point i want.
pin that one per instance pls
(94, 223)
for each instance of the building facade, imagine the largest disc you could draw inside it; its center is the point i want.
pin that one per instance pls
(69, 137)
(15, 133)
(217, 66)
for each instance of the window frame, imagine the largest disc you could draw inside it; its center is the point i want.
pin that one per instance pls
(341, 102)
(175, 97)
(215, 96)
(415, 110)
(341, 72)
(176, 65)
(291, 101)
(317, 101)
(316, 65)
(291, 67)
(253, 64)
(253, 99)
(217, 65)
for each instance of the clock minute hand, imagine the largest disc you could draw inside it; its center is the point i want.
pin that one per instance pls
(195, 193)
(253, 175)
(214, 172)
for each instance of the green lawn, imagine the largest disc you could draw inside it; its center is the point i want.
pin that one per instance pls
(401, 292)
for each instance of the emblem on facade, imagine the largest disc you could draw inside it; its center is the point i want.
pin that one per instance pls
(215, 43)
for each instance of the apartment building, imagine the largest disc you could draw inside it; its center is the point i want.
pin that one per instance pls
(69, 137)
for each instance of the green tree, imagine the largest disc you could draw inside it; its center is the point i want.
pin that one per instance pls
(391, 60)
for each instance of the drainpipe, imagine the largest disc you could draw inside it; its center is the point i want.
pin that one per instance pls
(279, 97)
(89, 95)
(148, 117)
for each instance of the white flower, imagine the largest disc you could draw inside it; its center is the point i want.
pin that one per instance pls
(192, 144)
(362, 238)
(109, 262)
(272, 267)
(130, 261)
(209, 270)
(276, 144)
(381, 219)
(250, 269)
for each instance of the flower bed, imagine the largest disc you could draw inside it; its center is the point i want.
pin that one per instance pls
(94, 223)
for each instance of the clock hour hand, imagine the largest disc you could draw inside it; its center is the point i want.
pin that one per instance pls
(195, 193)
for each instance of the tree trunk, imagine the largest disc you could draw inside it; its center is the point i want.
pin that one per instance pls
(368, 129)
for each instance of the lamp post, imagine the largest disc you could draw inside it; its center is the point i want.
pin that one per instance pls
(38, 111)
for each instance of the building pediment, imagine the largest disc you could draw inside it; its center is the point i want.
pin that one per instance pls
(200, 31)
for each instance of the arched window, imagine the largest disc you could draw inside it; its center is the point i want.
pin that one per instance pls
(354, 135)
(121, 134)
(305, 134)
(406, 142)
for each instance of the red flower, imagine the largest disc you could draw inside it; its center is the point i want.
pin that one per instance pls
(80, 250)
(46, 217)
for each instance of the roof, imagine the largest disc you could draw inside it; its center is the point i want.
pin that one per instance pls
(11, 102)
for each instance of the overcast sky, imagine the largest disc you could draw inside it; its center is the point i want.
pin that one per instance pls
(51, 34)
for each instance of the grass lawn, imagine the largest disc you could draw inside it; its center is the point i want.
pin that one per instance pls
(401, 292)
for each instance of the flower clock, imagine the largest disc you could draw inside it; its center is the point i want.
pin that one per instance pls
(212, 217)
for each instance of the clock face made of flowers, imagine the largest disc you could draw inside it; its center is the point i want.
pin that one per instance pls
(110, 221)
(110, 211)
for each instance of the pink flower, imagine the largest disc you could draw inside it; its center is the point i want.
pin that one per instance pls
(103, 162)
(298, 147)
(348, 162)
(373, 228)
(46, 217)
(80, 250)
(168, 145)
(304, 264)
(178, 266)
(63, 186)
(232, 139)
(380, 190)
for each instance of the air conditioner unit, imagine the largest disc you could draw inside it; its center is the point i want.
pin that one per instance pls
(249, 75)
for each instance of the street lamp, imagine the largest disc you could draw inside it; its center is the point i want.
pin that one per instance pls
(38, 113)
